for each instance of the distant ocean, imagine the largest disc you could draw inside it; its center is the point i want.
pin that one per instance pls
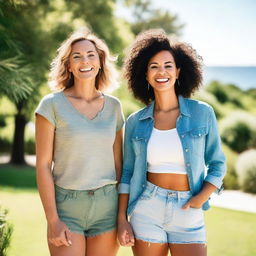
(243, 77)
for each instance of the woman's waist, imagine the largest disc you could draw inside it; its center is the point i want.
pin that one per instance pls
(172, 181)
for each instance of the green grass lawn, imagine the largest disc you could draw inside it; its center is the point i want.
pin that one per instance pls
(230, 233)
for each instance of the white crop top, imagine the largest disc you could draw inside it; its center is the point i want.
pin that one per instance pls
(164, 152)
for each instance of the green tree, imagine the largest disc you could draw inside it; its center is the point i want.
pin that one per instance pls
(146, 17)
(32, 47)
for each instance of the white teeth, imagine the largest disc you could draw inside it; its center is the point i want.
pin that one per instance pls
(85, 69)
(162, 80)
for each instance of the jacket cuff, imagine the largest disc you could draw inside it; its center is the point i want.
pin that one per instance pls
(216, 181)
(124, 188)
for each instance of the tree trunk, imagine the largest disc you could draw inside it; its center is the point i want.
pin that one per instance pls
(18, 149)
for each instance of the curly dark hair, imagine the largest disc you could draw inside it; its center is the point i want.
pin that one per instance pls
(149, 43)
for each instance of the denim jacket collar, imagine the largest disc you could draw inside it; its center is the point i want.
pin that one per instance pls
(149, 110)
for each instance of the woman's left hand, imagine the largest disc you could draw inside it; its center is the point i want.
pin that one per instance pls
(195, 202)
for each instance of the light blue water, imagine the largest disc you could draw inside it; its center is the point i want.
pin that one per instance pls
(243, 77)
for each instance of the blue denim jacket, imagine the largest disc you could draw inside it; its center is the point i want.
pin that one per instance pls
(198, 132)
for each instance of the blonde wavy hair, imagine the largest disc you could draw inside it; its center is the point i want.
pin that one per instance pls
(60, 78)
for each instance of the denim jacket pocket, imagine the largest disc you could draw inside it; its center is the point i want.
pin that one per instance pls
(197, 137)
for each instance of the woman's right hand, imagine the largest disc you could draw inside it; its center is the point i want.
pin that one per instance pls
(58, 233)
(125, 233)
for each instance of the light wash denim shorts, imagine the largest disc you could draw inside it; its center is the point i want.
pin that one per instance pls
(158, 217)
(88, 212)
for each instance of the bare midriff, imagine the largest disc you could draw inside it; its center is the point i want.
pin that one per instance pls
(171, 181)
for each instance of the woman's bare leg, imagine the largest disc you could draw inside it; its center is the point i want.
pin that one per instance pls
(188, 249)
(77, 248)
(142, 248)
(104, 244)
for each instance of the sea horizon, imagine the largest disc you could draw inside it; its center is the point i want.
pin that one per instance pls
(242, 76)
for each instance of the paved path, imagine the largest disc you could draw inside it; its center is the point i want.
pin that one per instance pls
(231, 199)
(235, 200)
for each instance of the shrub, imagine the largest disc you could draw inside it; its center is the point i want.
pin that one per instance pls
(238, 131)
(246, 170)
(218, 90)
(230, 180)
(5, 233)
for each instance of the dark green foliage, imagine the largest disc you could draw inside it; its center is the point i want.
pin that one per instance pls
(218, 90)
(6, 230)
(239, 131)
(226, 93)
(2, 121)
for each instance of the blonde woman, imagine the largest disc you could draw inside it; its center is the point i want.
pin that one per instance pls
(78, 146)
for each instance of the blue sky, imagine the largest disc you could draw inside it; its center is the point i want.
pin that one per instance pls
(222, 31)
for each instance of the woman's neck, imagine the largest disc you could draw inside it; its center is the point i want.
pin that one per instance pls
(166, 101)
(84, 90)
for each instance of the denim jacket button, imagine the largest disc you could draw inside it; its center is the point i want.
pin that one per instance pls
(182, 136)
(186, 149)
(188, 164)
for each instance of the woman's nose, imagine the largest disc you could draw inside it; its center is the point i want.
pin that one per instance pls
(161, 70)
(84, 59)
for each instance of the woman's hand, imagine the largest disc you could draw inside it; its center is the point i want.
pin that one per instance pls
(59, 234)
(125, 233)
(194, 202)
(198, 200)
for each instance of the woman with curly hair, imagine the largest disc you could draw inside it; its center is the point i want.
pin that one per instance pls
(173, 160)
(79, 150)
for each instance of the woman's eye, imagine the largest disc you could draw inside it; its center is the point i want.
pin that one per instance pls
(168, 66)
(153, 67)
(91, 55)
(76, 57)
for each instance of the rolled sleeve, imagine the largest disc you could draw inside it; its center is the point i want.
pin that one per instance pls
(123, 188)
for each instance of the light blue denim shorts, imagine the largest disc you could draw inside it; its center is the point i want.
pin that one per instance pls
(158, 217)
(88, 212)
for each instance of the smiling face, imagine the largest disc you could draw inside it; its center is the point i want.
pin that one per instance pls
(84, 61)
(162, 71)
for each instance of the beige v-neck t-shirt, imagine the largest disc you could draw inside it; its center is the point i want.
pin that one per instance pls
(83, 148)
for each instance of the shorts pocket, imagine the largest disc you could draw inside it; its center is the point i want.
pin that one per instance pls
(191, 218)
(61, 195)
(111, 190)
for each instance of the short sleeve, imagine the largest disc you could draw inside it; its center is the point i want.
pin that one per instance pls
(45, 109)
(120, 117)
